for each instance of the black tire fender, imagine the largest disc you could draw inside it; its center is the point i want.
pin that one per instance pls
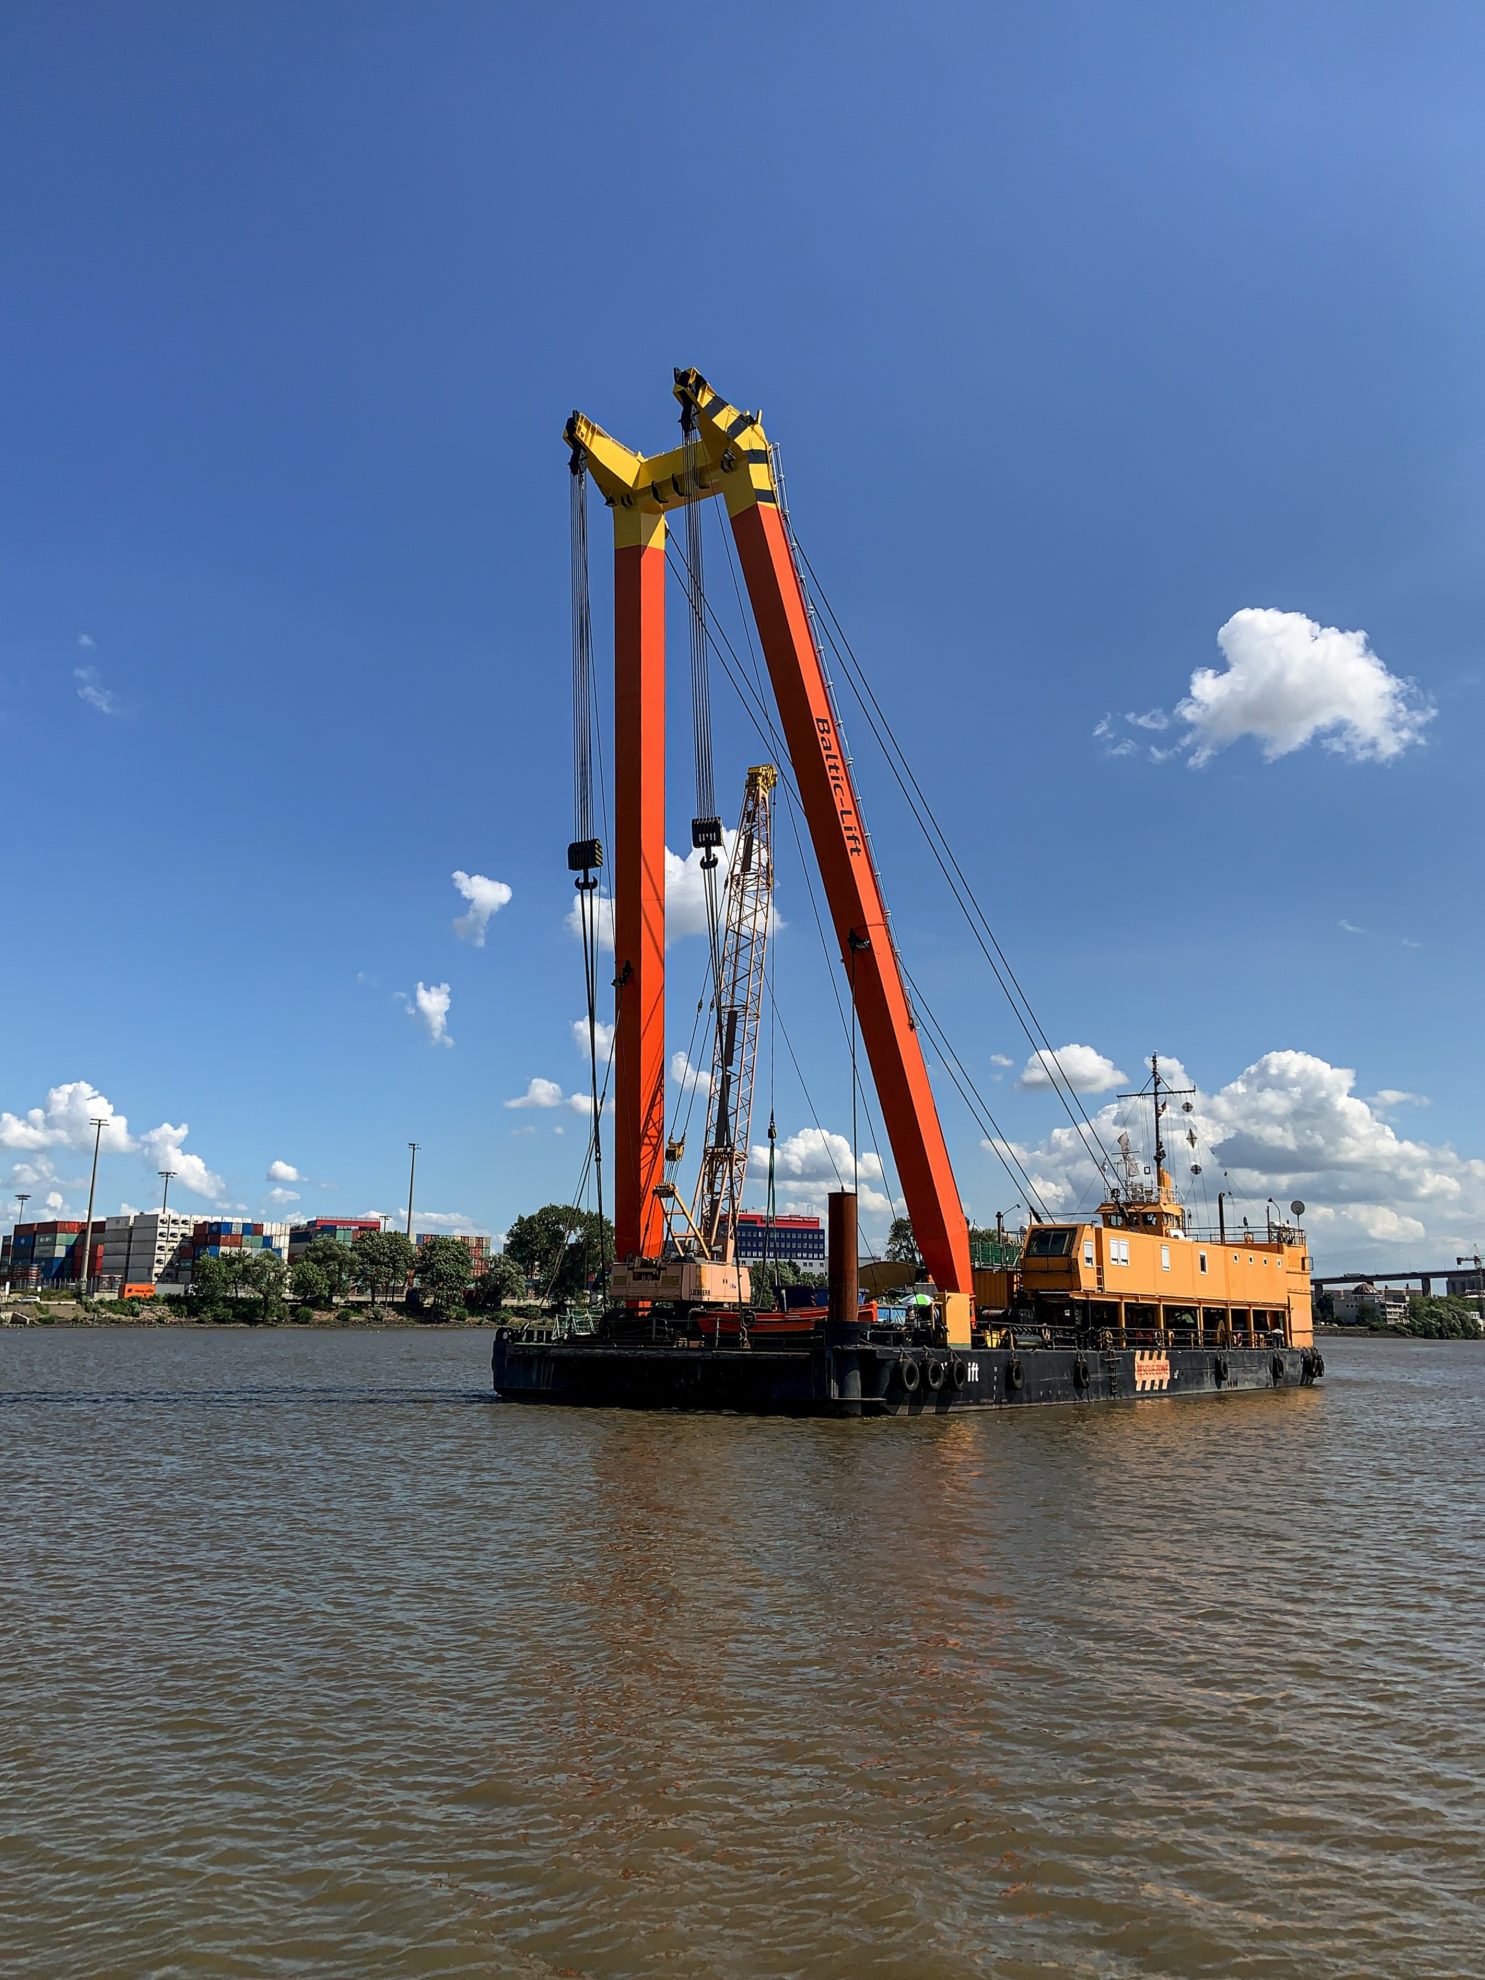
(934, 1372)
(1276, 1367)
(958, 1371)
(909, 1374)
(1015, 1374)
(1221, 1370)
(1080, 1372)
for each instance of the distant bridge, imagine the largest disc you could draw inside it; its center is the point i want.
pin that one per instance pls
(1425, 1278)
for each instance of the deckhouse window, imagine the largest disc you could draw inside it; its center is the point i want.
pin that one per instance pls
(1043, 1243)
(1088, 1253)
(1201, 1261)
(1165, 1258)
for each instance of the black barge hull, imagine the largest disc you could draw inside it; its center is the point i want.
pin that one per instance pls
(842, 1377)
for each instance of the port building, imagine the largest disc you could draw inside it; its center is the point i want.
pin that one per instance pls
(792, 1240)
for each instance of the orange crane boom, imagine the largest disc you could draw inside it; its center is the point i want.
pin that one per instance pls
(734, 461)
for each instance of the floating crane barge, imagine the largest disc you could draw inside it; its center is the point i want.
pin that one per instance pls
(1131, 1304)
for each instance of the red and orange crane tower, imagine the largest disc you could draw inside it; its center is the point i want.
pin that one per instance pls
(730, 456)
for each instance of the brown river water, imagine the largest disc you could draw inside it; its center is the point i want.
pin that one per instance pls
(316, 1661)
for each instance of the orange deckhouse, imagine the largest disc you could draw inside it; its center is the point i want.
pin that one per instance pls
(1141, 1274)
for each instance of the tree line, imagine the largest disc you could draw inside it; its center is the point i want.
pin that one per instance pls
(552, 1257)
(386, 1265)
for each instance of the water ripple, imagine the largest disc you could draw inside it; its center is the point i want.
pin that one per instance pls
(317, 1663)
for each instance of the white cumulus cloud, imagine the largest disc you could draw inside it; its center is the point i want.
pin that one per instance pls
(283, 1172)
(66, 1122)
(811, 1162)
(1289, 681)
(582, 1103)
(280, 1197)
(90, 689)
(485, 897)
(603, 1037)
(686, 1075)
(1081, 1068)
(685, 896)
(1292, 1125)
(430, 1003)
(539, 1093)
(163, 1146)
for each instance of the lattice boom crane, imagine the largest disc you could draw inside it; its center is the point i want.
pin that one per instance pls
(739, 1005)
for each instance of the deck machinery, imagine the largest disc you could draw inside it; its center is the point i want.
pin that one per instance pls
(678, 1331)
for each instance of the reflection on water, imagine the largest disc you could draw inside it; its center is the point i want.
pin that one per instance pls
(319, 1662)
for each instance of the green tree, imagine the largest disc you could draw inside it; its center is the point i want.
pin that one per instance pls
(1448, 1319)
(262, 1275)
(213, 1287)
(501, 1284)
(445, 1269)
(309, 1282)
(902, 1246)
(559, 1247)
(334, 1259)
(383, 1262)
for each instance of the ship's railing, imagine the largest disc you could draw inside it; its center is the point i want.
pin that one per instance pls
(1027, 1336)
(1236, 1240)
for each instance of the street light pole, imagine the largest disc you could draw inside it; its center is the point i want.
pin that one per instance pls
(166, 1176)
(22, 1198)
(411, 1175)
(84, 1277)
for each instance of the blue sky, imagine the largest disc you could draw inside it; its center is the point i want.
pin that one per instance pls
(1087, 333)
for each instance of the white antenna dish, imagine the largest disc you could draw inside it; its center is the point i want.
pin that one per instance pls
(1296, 1208)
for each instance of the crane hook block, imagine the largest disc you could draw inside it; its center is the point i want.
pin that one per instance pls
(585, 856)
(706, 833)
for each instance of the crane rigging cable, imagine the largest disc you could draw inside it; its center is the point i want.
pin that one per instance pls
(585, 854)
(582, 657)
(953, 872)
(756, 707)
(706, 825)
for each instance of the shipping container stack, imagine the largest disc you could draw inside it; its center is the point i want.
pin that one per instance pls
(344, 1230)
(144, 1248)
(45, 1254)
(477, 1247)
(219, 1237)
